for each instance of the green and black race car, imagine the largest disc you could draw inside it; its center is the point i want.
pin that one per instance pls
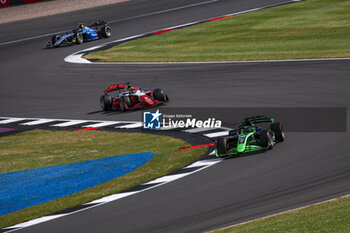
(250, 138)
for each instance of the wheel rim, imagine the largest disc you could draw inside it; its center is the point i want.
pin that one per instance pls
(270, 140)
(271, 144)
(108, 32)
(79, 38)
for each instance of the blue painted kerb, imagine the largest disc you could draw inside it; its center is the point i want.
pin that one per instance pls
(22, 189)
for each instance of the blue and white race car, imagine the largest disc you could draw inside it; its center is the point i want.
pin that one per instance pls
(95, 31)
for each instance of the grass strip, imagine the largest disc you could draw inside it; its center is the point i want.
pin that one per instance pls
(332, 216)
(41, 148)
(308, 29)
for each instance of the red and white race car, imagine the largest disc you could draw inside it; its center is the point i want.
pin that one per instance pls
(124, 97)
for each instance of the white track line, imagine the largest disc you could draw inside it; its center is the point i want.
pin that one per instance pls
(111, 198)
(208, 162)
(167, 178)
(101, 124)
(217, 134)
(164, 11)
(38, 122)
(130, 126)
(31, 38)
(11, 120)
(212, 153)
(69, 123)
(216, 62)
(36, 221)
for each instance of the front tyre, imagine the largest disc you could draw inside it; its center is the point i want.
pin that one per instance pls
(221, 145)
(266, 139)
(277, 128)
(158, 94)
(54, 39)
(79, 38)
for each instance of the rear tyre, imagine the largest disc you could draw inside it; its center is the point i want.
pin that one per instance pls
(106, 102)
(106, 31)
(277, 128)
(266, 140)
(124, 100)
(79, 38)
(158, 94)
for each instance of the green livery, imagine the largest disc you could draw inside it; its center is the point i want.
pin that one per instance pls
(249, 137)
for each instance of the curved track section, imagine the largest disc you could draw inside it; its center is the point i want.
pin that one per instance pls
(308, 167)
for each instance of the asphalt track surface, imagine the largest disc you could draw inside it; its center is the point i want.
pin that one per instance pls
(307, 168)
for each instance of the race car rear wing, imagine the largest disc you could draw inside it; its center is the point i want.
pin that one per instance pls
(258, 119)
(98, 23)
(115, 87)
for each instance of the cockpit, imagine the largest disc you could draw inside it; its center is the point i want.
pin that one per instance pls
(134, 90)
(245, 129)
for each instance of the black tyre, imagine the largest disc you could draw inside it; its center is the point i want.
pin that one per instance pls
(224, 144)
(158, 94)
(221, 145)
(166, 98)
(54, 39)
(106, 102)
(124, 100)
(106, 31)
(277, 128)
(266, 139)
(79, 38)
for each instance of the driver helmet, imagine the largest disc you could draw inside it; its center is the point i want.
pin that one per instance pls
(81, 26)
(246, 129)
(128, 86)
(133, 90)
